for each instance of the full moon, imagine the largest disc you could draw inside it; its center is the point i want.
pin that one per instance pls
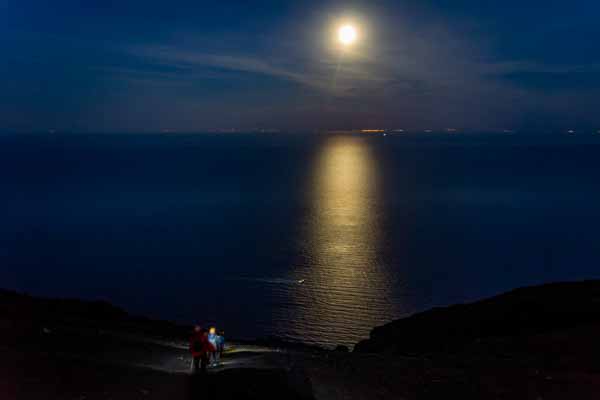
(347, 34)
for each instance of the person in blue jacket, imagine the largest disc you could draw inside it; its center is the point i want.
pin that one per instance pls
(213, 339)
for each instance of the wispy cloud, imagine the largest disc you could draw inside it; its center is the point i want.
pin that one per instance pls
(236, 63)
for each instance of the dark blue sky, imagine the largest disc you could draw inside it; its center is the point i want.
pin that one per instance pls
(197, 65)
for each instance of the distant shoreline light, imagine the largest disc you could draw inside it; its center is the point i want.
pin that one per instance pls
(372, 130)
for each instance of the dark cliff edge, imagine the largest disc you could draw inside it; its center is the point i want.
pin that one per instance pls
(555, 324)
(23, 316)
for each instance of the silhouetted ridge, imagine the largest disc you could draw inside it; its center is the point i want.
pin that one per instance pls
(518, 314)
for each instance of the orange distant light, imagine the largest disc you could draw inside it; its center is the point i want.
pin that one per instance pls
(372, 130)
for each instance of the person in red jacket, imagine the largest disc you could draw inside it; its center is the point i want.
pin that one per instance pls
(200, 348)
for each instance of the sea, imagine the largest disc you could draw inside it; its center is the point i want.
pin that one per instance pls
(313, 238)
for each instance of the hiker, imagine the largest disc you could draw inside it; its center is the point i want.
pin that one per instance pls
(200, 348)
(213, 339)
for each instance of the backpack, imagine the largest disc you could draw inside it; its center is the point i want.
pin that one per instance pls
(197, 346)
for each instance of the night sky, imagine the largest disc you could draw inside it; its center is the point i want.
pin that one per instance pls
(149, 66)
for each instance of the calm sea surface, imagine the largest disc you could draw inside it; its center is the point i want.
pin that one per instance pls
(309, 238)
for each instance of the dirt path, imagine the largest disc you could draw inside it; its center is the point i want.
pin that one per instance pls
(80, 365)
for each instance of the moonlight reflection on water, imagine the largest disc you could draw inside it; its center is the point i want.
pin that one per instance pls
(342, 239)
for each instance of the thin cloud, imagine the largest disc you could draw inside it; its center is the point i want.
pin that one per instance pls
(236, 63)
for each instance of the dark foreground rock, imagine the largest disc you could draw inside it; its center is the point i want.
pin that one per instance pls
(557, 325)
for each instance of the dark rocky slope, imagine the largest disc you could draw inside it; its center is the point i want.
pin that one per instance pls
(555, 324)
